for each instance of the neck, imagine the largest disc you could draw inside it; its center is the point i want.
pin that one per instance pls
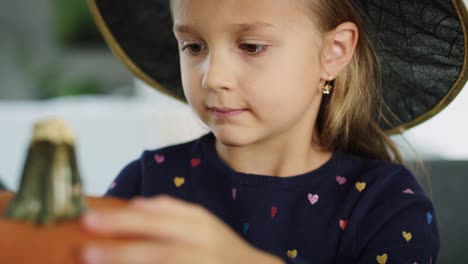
(282, 155)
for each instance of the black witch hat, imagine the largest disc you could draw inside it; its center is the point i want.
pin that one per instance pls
(422, 44)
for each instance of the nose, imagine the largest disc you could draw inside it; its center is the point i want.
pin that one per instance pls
(217, 73)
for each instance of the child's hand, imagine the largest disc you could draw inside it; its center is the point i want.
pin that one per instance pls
(176, 232)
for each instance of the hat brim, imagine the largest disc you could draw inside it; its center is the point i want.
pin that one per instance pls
(423, 50)
(136, 64)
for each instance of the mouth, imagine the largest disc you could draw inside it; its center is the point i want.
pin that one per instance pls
(225, 112)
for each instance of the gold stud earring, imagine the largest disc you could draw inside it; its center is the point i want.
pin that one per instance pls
(328, 86)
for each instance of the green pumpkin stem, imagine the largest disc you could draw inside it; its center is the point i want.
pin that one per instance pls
(50, 188)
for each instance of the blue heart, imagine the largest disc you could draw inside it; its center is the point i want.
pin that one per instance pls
(429, 218)
(246, 228)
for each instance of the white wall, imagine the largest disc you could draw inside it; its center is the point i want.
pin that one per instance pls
(110, 132)
(445, 136)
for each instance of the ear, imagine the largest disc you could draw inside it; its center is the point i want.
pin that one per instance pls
(339, 49)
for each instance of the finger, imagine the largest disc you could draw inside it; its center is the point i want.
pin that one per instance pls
(169, 205)
(144, 253)
(133, 222)
(134, 253)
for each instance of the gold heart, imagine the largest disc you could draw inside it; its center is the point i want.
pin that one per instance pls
(292, 253)
(360, 186)
(382, 259)
(178, 181)
(408, 236)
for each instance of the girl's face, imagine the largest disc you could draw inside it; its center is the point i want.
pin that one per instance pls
(250, 69)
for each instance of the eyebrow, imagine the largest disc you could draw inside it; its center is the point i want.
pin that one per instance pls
(239, 28)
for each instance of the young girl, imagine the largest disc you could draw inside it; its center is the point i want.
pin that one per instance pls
(298, 167)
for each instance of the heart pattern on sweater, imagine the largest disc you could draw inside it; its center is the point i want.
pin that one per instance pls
(292, 253)
(360, 186)
(340, 180)
(343, 224)
(313, 198)
(408, 236)
(382, 259)
(274, 210)
(159, 158)
(195, 162)
(179, 181)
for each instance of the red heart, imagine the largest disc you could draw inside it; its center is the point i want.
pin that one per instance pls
(274, 209)
(195, 162)
(343, 224)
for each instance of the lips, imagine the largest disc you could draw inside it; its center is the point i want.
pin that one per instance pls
(225, 112)
(223, 109)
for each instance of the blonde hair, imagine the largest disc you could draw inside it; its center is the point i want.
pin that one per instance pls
(349, 117)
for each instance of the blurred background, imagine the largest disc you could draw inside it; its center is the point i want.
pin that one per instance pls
(53, 61)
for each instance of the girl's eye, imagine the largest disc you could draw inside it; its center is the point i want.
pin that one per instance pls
(193, 48)
(254, 49)
(251, 49)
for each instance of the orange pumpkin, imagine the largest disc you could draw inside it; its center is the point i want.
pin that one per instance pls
(50, 198)
(57, 243)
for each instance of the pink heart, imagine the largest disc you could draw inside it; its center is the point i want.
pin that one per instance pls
(343, 224)
(234, 193)
(340, 180)
(313, 198)
(159, 158)
(408, 191)
(112, 186)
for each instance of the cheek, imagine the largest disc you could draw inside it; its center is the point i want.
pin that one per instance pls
(302, 73)
(290, 79)
(190, 84)
(286, 90)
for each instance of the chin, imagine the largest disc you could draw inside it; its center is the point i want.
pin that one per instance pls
(233, 138)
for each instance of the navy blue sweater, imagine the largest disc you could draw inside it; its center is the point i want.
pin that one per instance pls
(350, 210)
